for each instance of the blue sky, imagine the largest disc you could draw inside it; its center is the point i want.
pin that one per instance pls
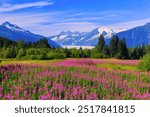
(49, 17)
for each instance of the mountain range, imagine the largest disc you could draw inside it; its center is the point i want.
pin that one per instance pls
(82, 38)
(14, 32)
(134, 37)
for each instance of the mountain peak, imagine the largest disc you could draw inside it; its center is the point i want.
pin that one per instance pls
(13, 27)
(8, 24)
(105, 29)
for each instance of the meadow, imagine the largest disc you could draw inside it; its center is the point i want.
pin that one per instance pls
(73, 79)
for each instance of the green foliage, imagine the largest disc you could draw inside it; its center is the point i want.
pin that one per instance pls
(101, 43)
(4, 43)
(114, 46)
(122, 50)
(1, 77)
(34, 53)
(52, 55)
(106, 51)
(74, 53)
(68, 52)
(43, 43)
(77, 53)
(44, 54)
(144, 64)
(137, 53)
(41, 50)
(9, 53)
(21, 53)
(20, 43)
(98, 55)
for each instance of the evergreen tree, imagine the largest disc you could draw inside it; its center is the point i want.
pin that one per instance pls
(81, 53)
(101, 43)
(10, 52)
(137, 53)
(4, 42)
(42, 43)
(67, 52)
(20, 43)
(114, 46)
(106, 51)
(122, 50)
(21, 53)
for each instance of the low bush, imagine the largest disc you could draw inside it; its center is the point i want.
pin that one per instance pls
(144, 64)
(98, 55)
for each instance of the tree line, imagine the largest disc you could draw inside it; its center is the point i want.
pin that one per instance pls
(117, 48)
(41, 49)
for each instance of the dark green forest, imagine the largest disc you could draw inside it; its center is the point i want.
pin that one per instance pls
(41, 50)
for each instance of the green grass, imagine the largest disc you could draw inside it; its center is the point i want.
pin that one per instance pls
(14, 61)
(109, 66)
(117, 66)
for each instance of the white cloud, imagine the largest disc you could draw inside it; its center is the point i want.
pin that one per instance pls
(12, 7)
(47, 24)
(50, 23)
(71, 26)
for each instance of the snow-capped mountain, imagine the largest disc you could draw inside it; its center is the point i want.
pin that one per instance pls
(134, 37)
(14, 27)
(67, 38)
(14, 32)
(91, 38)
(82, 38)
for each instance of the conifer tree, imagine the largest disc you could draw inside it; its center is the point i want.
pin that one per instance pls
(101, 43)
(20, 43)
(114, 46)
(106, 51)
(122, 50)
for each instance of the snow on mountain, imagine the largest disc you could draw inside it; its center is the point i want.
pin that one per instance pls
(134, 37)
(67, 38)
(14, 27)
(81, 38)
(91, 38)
(107, 32)
(14, 32)
(121, 30)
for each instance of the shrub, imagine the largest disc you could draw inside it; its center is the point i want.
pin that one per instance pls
(56, 56)
(144, 64)
(98, 55)
(21, 53)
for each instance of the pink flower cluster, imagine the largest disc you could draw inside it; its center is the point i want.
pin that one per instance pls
(72, 79)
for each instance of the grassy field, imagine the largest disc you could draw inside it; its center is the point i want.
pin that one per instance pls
(73, 79)
(14, 61)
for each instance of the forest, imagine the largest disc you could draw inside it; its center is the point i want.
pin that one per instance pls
(42, 50)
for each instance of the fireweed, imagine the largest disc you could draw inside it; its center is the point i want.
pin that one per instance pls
(73, 79)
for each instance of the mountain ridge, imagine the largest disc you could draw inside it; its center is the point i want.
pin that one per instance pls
(81, 38)
(134, 37)
(14, 32)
